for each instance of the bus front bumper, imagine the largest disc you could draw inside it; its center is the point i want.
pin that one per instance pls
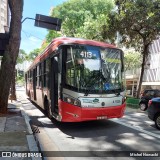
(71, 113)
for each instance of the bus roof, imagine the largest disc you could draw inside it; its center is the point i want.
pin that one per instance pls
(66, 40)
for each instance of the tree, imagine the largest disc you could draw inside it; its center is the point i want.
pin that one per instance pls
(21, 56)
(138, 23)
(85, 19)
(52, 34)
(20, 74)
(11, 53)
(33, 54)
(132, 60)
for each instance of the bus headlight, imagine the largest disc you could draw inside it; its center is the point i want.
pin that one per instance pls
(71, 100)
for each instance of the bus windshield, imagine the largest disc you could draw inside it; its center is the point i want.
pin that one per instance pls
(93, 69)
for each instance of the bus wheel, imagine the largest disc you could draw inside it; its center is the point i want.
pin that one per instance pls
(47, 110)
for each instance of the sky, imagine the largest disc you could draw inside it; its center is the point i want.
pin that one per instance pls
(32, 36)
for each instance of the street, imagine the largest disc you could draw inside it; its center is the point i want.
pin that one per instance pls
(80, 80)
(133, 133)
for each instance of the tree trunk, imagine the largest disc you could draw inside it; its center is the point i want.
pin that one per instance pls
(145, 54)
(11, 53)
(13, 87)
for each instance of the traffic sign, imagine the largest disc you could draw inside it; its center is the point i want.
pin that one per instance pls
(48, 22)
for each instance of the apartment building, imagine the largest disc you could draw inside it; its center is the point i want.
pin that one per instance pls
(151, 77)
(4, 16)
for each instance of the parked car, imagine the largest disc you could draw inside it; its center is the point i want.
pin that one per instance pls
(146, 96)
(154, 111)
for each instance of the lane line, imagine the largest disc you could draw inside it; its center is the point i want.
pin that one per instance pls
(136, 128)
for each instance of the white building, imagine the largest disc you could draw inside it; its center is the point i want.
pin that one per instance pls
(151, 77)
(4, 15)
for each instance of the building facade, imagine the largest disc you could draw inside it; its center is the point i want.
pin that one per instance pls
(151, 77)
(4, 15)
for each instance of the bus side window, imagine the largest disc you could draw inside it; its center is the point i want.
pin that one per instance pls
(44, 74)
(31, 76)
(36, 76)
(40, 75)
(46, 65)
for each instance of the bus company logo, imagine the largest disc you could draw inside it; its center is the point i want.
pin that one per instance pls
(87, 100)
(91, 100)
(96, 100)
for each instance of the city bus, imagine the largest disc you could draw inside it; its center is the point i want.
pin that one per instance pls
(76, 80)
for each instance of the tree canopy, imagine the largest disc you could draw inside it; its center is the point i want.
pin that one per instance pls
(132, 60)
(33, 54)
(21, 56)
(138, 23)
(86, 19)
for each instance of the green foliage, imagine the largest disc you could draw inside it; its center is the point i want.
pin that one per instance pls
(138, 22)
(131, 100)
(132, 60)
(52, 34)
(21, 56)
(33, 54)
(83, 18)
(20, 79)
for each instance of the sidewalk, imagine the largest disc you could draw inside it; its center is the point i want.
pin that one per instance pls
(15, 136)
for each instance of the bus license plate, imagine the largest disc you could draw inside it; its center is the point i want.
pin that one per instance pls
(102, 117)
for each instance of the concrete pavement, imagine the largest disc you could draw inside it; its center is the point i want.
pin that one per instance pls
(15, 137)
(36, 127)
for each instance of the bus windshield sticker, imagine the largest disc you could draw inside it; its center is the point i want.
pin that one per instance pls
(107, 86)
(113, 60)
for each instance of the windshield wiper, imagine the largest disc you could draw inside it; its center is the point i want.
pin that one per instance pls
(92, 80)
(96, 78)
(88, 90)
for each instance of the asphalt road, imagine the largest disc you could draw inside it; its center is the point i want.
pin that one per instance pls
(99, 139)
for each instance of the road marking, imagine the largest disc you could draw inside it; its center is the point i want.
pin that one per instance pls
(135, 128)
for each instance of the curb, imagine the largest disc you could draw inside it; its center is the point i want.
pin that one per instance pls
(32, 144)
(27, 119)
(38, 140)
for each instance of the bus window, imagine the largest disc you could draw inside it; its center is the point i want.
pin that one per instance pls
(40, 75)
(46, 66)
(44, 74)
(36, 76)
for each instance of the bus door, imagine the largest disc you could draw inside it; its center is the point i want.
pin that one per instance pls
(34, 84)
(54, 85)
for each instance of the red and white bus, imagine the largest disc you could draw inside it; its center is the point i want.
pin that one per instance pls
(77, 80)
